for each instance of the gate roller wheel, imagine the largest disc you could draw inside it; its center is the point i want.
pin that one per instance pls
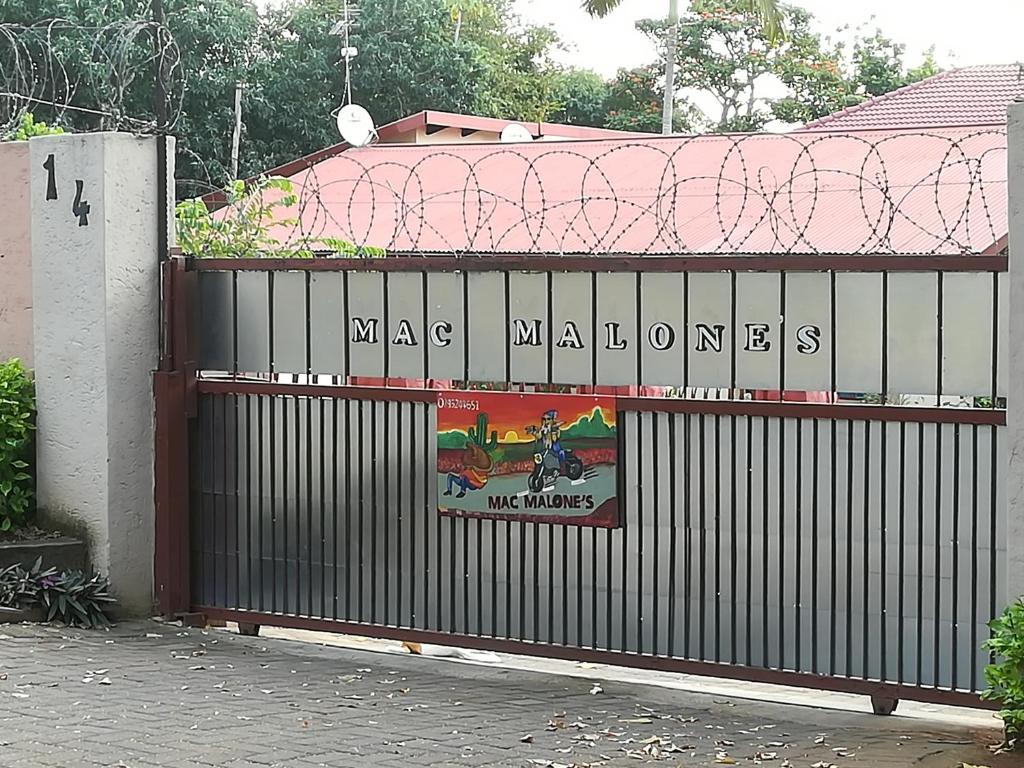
(248, 630)
(884, 705)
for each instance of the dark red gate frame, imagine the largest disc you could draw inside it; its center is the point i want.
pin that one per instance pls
(177, 388)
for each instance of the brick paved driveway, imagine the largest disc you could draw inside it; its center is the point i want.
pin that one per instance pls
(147, 694)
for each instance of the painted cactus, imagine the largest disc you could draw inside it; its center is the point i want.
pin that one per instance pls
(478, 434)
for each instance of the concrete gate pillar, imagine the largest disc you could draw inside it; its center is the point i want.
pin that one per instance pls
(1015, 394)
(99, 216)
(15, 254)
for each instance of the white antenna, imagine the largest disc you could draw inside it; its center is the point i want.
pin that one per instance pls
(354, 123)
(514, 133)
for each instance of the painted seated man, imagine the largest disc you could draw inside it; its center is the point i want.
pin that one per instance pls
(476, 464)
(550, 432)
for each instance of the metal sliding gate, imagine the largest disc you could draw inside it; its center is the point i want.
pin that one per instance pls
(847, 545)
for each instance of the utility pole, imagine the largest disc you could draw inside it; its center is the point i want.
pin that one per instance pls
(670, 66)
(236, 135)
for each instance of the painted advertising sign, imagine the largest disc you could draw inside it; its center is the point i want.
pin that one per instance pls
(518, 456)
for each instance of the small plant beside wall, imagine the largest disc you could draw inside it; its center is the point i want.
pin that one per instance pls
(1006, 676)
(17, 406)
(70, 597)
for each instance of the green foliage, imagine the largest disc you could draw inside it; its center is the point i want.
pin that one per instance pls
(71, 597)
(249, 225)
(246, 227)
(17, 409)
(29, 128)
(580, 97)
(1006, 676)
(478, 434)
(725, 50)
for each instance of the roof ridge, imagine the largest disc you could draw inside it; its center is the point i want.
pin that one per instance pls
(846, 111)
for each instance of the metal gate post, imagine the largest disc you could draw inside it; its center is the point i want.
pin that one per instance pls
(1014, 536)
(174, 389)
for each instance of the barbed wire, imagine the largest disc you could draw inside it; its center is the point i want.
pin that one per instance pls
(940, 191)
(53, 62)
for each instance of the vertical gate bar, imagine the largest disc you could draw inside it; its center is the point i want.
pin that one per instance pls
(833, 591)
(308, 462)
(834, 547)
(798, 553)
(508, 577)
(974, 557)
(430, 513)
(994, 509)
(673, 471)
(536, 582)
(884, 515)
(609, 539)
(920, 555)
(782, 537)
(764, 541)
(464, 525)
(656, 480)
(221, 480)
(733, 548)
(271, 352)
(623, 559)
(749, 543)
(480, 575)
(412, 510)
(334, 508)
(551, 580)
(197, 538)
(298, 503)
(718, 537)
(994, 513)
(815, 511)
(401, 464)
(323, 510)
(938, 553)
(234, 506)
(938, 474)
(260, 401)
(565, 583)
(866, 532)
(360, 537)
(248, 500)
(385, 508)
(452, 534)
(687, 531)
(883, 550)
(284, 503)
(955, 584)
(307, 277)
(638, 473)
(348, 506)
(849, 548)
(374, 509)
(901, 567)
(702, 538)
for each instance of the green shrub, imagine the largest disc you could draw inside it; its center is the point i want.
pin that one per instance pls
(28, 127)
(1006, 677)
(71, 597)
(17, 406)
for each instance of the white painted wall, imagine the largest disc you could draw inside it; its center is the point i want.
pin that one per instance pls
(95, 296)
(15, 254)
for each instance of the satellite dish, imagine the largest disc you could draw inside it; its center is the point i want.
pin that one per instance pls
(513, 133)
(355, 125)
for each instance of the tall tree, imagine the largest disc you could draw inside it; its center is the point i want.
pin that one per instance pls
(771, 14)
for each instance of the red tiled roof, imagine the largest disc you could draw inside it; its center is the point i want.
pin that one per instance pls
(941, 191)
(967, 96)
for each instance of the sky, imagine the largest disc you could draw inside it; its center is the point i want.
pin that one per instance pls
(963, 33)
